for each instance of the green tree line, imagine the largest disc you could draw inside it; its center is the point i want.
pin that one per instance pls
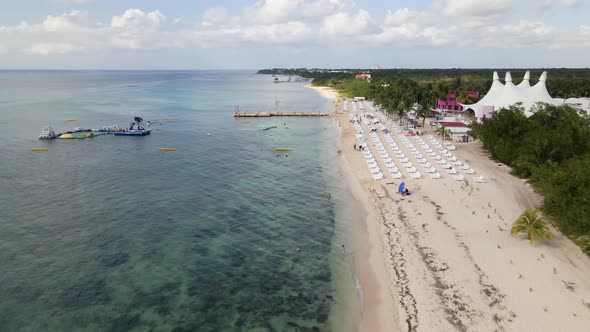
(561, 83)
(551, 148)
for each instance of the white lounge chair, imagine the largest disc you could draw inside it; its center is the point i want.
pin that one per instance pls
(459, 177)
(378, 176)
(435, 175)
(416, 175)
(479, 179)
(469, 171)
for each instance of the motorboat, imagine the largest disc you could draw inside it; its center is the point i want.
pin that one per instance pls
(48, 133)
(136, 128)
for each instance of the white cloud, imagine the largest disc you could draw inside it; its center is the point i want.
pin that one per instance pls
(466, 8)
(346, 24)
(399, 17)
(69, 2)
(137, 18)
(64, 22)
(52, 48)
(554, 4)
(216, 16)
(273, 11)
(322, 8)
(296, 24)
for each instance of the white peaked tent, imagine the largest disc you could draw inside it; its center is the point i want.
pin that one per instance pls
(504, 95)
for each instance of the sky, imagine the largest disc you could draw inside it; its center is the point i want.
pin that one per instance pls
(254, 34)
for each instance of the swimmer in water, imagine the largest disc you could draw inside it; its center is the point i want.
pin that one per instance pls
(298, 249)
(343, 251)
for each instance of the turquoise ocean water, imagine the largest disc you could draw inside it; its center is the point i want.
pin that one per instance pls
(111, 234)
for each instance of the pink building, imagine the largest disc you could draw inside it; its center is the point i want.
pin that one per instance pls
(364, 76)
(451, 102)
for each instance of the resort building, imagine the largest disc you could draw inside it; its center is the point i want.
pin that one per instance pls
(451, 101)
(364, 76)
(458, 130)
(580, 104)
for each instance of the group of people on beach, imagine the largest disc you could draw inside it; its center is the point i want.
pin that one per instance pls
(360, 147)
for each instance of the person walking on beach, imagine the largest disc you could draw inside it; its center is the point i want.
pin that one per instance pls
(354, 146)
(343, 251)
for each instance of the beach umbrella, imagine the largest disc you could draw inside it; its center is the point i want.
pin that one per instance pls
(401, 187)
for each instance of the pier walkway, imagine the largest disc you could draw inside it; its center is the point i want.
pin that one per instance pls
(267, 114)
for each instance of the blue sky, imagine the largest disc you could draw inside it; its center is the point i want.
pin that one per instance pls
(250, 34)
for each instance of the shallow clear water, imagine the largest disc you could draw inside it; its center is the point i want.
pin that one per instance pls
(110, 233)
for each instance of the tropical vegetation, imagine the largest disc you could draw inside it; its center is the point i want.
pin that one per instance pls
(551, 148)
(535, 227)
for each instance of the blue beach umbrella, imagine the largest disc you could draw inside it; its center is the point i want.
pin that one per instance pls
(401, 187)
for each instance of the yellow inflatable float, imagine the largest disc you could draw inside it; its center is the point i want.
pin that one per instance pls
(284, 149)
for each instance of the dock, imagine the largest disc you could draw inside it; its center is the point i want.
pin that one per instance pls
(268, 114)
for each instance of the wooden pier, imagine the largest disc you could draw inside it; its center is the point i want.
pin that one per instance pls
(268, 114)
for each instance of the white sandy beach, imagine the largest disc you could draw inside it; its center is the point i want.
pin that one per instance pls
(443, 258)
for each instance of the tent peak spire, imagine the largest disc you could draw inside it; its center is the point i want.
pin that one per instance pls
(508, 77)
(527, 76)
(543, 77)
(495, 76)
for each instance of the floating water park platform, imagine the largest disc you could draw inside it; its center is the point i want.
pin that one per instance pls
(136, 128)
(268, 114)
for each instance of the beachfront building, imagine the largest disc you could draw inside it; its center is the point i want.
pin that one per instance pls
(505, 95)
(459, 130)
(451, 104)
(582, 105)
(364, 76)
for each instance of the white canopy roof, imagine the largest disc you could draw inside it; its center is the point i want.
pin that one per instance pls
(504, 95)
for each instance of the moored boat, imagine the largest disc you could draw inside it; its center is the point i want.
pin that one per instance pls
(48, 133)
(136, 128)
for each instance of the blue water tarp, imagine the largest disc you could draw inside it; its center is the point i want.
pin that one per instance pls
(401, 187)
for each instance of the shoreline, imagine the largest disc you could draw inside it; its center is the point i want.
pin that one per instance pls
(443, 258)
(378, 309)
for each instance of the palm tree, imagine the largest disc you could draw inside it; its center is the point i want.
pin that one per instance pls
(533, 225)
(444, 132)
(464, 98)
(423, 112)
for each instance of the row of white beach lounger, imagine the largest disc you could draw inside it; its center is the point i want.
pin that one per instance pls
(446, 163)
(371, 162)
